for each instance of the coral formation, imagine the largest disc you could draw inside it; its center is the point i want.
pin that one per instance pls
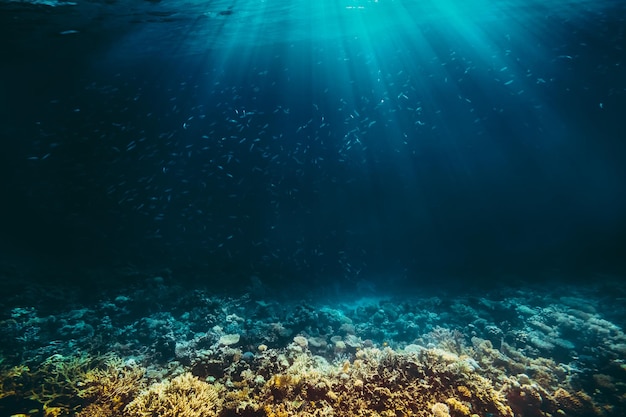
(183, 396)
(543, 357)
(110, 389)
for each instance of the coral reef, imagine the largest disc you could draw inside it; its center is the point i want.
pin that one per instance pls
(524, 354)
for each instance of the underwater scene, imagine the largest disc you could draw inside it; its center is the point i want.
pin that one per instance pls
(312, 208)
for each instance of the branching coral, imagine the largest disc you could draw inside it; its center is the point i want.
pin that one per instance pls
(64, 384)
(12, 380)
(58, 383)
(183, 396)
(110, 389)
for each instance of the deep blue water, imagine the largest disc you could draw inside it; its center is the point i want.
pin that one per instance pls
(343, 142)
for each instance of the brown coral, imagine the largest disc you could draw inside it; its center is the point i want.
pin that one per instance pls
(575, 404)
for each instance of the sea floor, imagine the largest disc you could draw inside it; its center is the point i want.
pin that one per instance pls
(159, 349)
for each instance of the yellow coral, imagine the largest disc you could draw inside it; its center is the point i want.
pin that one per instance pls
(53, 411)
(458, 407)
(183, 396)
(111, 388)
(282, 381)
(275, 412)
(11, 380)
(464, 391)
(58, 383)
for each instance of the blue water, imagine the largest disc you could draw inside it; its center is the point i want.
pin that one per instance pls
(313, 205)
(316, 142)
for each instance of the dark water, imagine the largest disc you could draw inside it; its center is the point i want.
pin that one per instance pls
(334, 142)
(313, 208)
